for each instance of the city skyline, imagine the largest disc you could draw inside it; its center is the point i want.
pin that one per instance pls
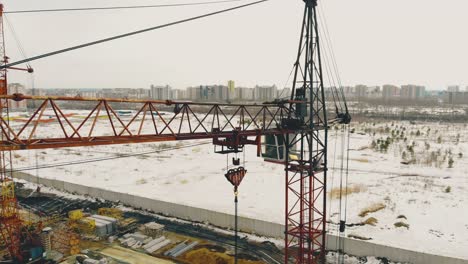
(386, 44)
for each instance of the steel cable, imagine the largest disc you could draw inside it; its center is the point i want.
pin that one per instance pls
(131, 34)
(116, 7)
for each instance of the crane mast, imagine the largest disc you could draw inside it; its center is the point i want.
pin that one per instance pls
(10, 223)
(306, 162)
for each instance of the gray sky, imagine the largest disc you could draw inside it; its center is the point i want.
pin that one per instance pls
(375, 42)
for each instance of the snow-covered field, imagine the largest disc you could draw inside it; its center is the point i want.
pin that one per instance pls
(425, 194)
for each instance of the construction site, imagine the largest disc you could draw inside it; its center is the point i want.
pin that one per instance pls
(54, 231)
(119, 180)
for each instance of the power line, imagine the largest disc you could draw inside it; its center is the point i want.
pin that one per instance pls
(130, 34)
(120, 156)
(116, 7)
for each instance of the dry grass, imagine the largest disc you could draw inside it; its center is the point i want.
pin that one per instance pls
(141, 181)
(372, 209)
(362, 160)
(401, 224)
(359, 237)
(196, 150)
(205, 256)
(371, 221)
(335, 192)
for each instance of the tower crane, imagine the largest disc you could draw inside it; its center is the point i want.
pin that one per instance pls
(298, 126)
(10, 223)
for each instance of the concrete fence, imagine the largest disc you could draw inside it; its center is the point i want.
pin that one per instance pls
(247, 225)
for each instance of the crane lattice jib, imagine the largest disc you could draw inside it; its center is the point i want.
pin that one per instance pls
(150, 121)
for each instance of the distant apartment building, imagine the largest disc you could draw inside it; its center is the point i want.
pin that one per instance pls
(218, 93)
(412, 91)
(390, 91)
(129, 93)
(374, 92)
(361, 91)
(456, 97)
(331, 93)
(177, 94)
(193, 93)
(160, 92)
(231, 90)
(348, 91)
(265, 93)
(284, 93)
(16, 88)
(244, 94)
(453, 88)
(87, 93)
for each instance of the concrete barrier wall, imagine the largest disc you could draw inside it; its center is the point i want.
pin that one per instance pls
(248, 225)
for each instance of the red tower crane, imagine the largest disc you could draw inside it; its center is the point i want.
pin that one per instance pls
(10, 223)
(298, 126)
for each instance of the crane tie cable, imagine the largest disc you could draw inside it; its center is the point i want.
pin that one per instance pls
(116, 7)
(131, 34)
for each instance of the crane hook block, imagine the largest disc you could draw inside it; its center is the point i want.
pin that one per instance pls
(235, 176)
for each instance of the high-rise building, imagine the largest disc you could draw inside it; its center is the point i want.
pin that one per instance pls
(231, 89)
(361, 91)
(16, 88)
(265, 93)
(412, 91)
(374, 92)
(453, 88)
(161, 92)
(349, 92)
(284, 93)
(220, 93)
(390, 91)
(177, 94)
(244, 94)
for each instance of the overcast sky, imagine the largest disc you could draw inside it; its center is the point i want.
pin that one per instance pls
(375, 42)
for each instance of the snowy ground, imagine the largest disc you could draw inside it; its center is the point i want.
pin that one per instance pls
(425, 194)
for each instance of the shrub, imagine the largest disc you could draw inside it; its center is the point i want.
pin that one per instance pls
(371, 221)
(427, 145)
(439, 139)
(450, 162)
(448, 189)
(401, 224)
(401, 217)
(372, 209)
